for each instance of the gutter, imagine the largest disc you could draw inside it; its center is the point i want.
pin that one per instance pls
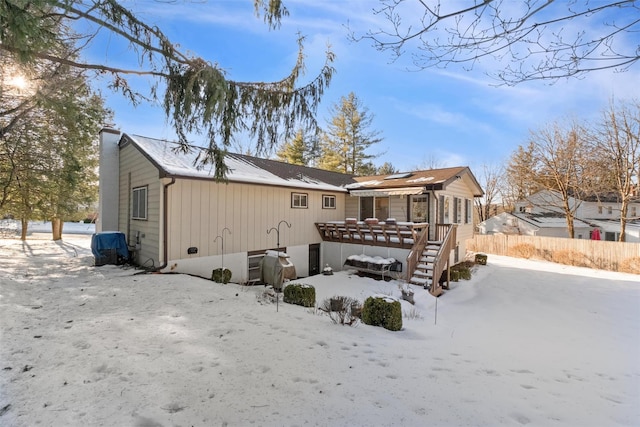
(165, 224)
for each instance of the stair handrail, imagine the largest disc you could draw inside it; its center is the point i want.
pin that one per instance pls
(442, 256)
(416, 252)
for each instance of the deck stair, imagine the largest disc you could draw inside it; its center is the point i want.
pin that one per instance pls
(423, 274)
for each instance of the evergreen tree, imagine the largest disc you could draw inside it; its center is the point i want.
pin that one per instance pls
(47, 135)
(387, 169)
(296, 151)
(196, 94)
(345, 142)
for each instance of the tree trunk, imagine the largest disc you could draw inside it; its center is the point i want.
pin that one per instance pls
(56, 228)
(624, 208)
(25, 224)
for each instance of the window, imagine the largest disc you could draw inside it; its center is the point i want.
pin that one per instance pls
(600, 210)
(609, 210)
(139, 203)
(381, 208)
(419, 209)
(611, 236)
(634, 212)
(457, 210)
(446, 217)
(328, 202)
(467, 211)
(299, 200)
(366, 207)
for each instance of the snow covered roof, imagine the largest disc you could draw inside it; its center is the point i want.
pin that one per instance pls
(433, 179)
(242, 168)
(549, 220)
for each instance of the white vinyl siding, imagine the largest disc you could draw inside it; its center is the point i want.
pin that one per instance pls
(199, 210)
(458, 190)
(136, 171)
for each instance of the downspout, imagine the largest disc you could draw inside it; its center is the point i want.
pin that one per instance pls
(165, 224)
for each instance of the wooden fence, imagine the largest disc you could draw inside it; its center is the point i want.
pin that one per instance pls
(614, 256)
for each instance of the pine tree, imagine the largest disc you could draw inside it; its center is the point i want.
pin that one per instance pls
(386, 169)
(47, 135)
(197, 96)
(345, 142)
(295, 151)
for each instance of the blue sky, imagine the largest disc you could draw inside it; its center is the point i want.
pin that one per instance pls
(457, 117)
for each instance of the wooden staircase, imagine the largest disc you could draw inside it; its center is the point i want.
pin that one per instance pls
(428, 260)
(423, 274)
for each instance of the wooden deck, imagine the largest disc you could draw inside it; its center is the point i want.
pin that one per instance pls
(397, 234)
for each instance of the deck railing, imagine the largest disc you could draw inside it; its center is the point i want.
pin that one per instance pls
(390, 234)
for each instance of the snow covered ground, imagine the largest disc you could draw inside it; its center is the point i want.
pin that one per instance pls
(522, 343)
(10, 228)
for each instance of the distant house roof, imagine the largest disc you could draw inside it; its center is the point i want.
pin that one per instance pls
(242, 168)
(549, 220)
(433, 179)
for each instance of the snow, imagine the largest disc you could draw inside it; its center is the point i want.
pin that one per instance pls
(371, 259)
(521, 343)
(187, 165)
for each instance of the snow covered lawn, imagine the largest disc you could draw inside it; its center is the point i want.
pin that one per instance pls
(523, 342)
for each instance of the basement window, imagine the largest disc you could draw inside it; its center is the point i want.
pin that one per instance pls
(139, 203)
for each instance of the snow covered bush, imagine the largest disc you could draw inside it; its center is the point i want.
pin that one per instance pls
(300, 294)
(221, 276)
(382, 310)
(407, 292)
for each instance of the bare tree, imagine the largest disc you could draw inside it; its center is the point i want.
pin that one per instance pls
(617, 140)
(196, 94)
(562, 164)
(490, 178)
(431, 161)
(539, 39)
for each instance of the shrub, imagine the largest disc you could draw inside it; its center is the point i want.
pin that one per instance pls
(522, 250)
(464, 272)
(342, 310)
(481, 259)
(221, 276)
(407, 293)
(300, 294)
(570, 257)
(413, 314)
(630, 265)
(381, 310)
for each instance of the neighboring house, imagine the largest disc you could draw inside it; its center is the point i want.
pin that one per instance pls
(178, 218)
(541, 215)
(606, 206)
(530, 224)
(610, 230)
